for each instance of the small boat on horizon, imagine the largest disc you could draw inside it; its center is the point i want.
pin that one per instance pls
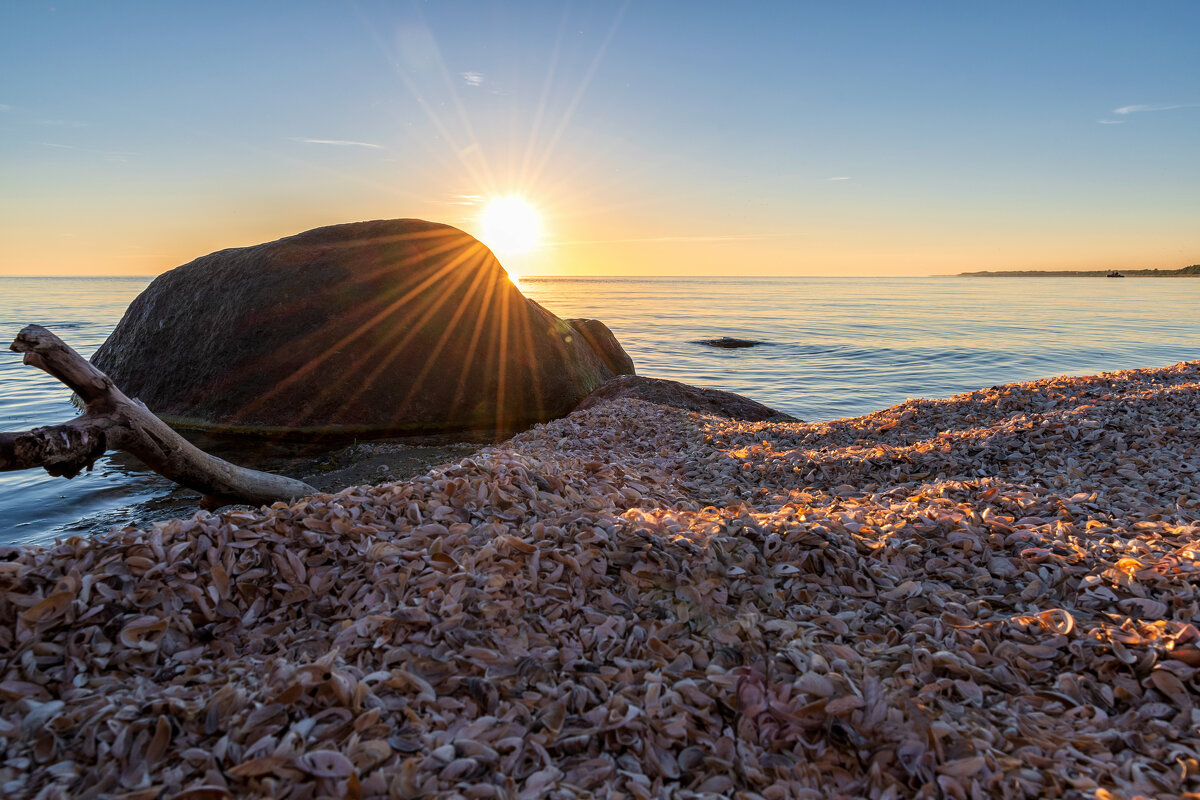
(1114, 274)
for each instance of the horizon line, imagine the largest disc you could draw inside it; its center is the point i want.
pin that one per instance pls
(631, 275)
(521, 277)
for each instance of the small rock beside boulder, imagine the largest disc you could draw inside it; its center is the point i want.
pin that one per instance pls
(364, 329)
(688, 398)
(601, 339)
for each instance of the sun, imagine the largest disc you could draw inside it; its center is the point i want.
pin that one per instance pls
(510, 226)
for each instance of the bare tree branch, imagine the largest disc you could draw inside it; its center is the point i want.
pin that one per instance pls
(111, 421)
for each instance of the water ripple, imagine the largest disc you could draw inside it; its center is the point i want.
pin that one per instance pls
(840, 347)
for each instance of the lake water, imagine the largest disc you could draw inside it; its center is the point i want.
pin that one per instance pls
(833, 347)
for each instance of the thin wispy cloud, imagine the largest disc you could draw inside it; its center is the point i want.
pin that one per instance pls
(336, 142)
(1140, 108)
(477, 80)
(1111, 121)
(839, 178)
(111, 155)
(465, 200)
(4, 107)
(747, 237)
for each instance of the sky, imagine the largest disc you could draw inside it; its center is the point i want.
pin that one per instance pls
(652, 137)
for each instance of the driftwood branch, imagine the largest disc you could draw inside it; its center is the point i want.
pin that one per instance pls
(111, 421)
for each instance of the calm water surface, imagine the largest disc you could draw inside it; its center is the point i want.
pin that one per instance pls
(834, 347)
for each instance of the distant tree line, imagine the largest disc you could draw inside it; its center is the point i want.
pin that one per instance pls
(1182, 272)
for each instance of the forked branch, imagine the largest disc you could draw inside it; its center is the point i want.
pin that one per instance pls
(111, 421)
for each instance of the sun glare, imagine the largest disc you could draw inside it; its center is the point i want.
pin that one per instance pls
(510, 225)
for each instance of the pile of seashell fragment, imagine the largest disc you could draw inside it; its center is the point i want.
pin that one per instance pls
(989, 596)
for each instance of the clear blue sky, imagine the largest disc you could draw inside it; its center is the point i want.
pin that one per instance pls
(653, 137)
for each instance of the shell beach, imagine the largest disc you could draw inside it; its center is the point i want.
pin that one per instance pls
(993, 595)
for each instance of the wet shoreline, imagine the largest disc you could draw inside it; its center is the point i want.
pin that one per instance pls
(328, 467)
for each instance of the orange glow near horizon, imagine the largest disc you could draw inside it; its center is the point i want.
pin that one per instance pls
(586, 239)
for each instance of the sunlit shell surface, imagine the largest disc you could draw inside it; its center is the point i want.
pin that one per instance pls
(989, 596)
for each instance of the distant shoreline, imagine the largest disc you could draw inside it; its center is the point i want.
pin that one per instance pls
(1183, 272)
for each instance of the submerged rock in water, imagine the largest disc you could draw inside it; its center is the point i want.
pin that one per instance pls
(367, 328)
(729, 343)
(689, 398)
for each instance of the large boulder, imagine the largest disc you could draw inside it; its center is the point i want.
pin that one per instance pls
(369, 328)
(688, 398)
